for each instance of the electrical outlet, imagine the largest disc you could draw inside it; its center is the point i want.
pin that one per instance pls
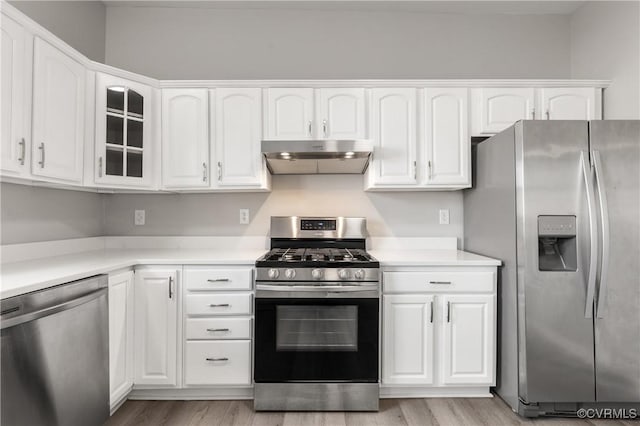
(138, 217)
(444, 216)
(244, 216)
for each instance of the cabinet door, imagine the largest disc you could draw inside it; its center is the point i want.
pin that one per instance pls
(289, 113)
(185, 138)
(446, 133)
(498, 108)
(568, 104)
(13, 149)
(340, 113)
(238, 122)
(407, 348)
(58, 114)
(123, 132)
(120, 335)
(393, 130)
(468, 350)
(156, 327)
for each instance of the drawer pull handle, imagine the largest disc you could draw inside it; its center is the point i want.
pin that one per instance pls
(439, 282)
(220, 305)
(219, 280)
(217, 359)
(217, 329)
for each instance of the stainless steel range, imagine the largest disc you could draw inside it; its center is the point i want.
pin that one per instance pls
(317, 304)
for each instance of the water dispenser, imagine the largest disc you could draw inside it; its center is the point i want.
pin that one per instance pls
(557, 243)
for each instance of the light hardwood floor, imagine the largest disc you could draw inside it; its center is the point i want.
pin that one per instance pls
(418, 412)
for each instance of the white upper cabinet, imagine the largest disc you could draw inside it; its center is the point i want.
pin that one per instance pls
(185, 138)
(238, 134)
(393, 131)
(13, 75)
(574, 103)
(123, 149)
(289, 113)
(495, 109)
(58, 114)
(446, 137)
(340, 114)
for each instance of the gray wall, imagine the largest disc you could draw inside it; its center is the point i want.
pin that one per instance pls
(219, 43)
(81, 24)
(605, 43)
(32, 214)
(389, 214)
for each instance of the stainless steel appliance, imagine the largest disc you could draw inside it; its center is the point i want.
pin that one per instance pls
(317, 314)
(55, 355)
(317, 156)
(558, 202)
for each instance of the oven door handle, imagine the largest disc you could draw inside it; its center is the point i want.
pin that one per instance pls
(327, 289)
(310, 292)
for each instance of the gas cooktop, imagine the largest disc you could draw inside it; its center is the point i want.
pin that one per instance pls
(317, 257)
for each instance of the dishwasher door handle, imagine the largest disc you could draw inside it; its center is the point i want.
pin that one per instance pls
(50, 310)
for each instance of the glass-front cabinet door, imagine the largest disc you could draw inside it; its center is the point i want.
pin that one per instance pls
(123, 130)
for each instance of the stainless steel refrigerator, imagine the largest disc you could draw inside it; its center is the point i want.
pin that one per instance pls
(558, 202)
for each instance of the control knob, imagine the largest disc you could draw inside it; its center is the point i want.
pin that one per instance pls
(316, 274)
(290, 273)
(359, 274)
(343, 274)
(273, 273)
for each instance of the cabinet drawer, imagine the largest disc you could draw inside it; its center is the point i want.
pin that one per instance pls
(218, 328)
(218, 363)
(218, 304)
(218, 279)
(416, 282)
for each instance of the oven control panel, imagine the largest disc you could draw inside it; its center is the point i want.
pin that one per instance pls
(318, 225)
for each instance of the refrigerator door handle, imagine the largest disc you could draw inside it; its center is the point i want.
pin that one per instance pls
(606, 236)
(593, 234)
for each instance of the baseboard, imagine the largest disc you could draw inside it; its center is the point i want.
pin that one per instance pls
(435, 392)
(194, 393)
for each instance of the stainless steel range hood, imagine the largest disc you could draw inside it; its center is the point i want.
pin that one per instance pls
(310, 157)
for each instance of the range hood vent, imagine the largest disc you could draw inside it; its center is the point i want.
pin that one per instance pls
(311, 157)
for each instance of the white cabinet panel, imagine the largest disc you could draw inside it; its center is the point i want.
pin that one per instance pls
(218, 363)
(438, 281)
(408, 343)
(123, 146)
(218, 304)
(214, 279)
(185, 138)
(495, 109)
(238, 124)
(120, 335)
(156, 320)
(393, 130)
(218, 328)
(468, 350)
(58, 114)
(340, 114)
(446, 133)
(568, 103)
(289, 113)
(13, 75)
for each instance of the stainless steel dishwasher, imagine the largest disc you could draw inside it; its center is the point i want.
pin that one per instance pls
(55, 355)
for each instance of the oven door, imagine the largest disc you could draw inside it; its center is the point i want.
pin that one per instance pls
(319, 337)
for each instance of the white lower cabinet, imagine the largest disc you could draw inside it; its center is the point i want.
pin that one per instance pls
(120, 336)
(468, 344)
(156, 325)
(218, 319)
(439, 332)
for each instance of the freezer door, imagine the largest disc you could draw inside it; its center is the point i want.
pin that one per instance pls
(615, 151)
(554, 313)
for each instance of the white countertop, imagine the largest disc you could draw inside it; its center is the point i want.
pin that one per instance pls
(32, 275)
(431, 258)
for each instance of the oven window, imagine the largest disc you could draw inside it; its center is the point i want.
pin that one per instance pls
(317, 328)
